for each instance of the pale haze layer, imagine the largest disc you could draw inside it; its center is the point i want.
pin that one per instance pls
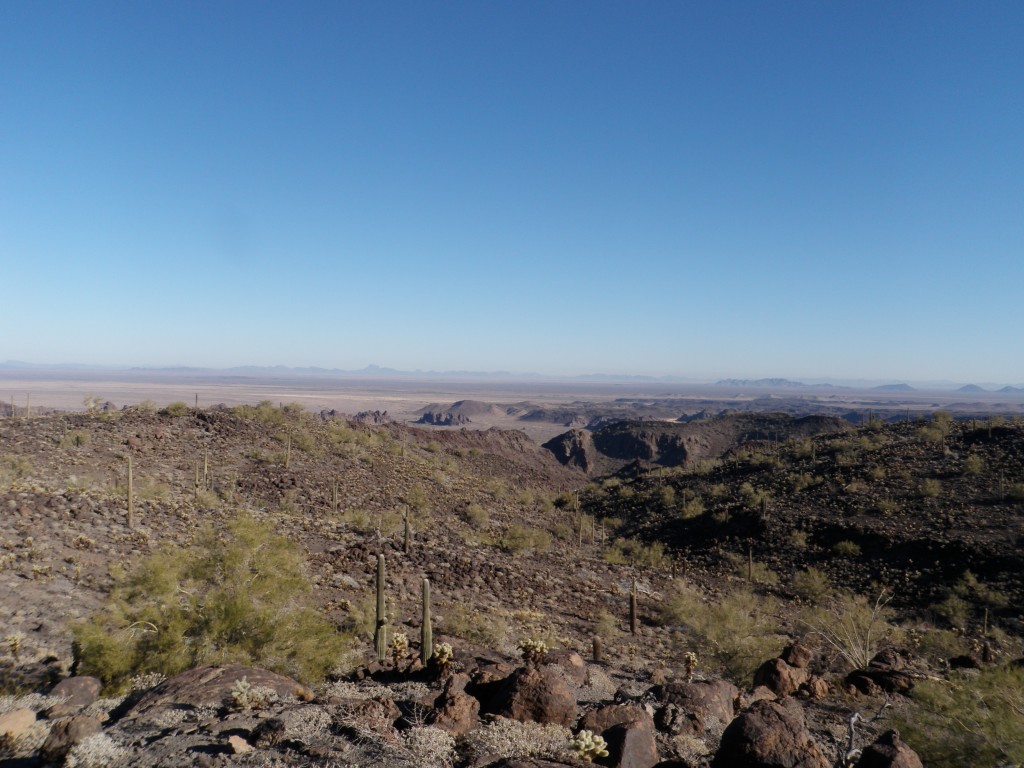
(748, 189)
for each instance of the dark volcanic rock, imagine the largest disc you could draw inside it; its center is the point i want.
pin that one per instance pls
(889, 751)
(768, 735)
(540, 695)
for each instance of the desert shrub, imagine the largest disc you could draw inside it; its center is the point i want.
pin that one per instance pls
(417, 498)
(14, 467)
(853, 626)
(1015, 493)
(521, 538)
(737, 631)
(692, 508)
(798, 539)
(887, 507)
(973, 465)
(846, 548)
(606, 625)
(968, 720)
(667, 495)
(476, 516)
(811, 585)
(930, 488)
(718, 491)
(76, 438)
(633, 552)
(237, 596)
(488, 629)
(966, 599)
(745, 568)
(511, 739)
(803, 481)
(177, 408)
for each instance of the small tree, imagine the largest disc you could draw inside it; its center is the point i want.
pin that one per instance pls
(238, 596)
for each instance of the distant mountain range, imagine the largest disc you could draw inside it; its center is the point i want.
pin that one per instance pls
(377, 371)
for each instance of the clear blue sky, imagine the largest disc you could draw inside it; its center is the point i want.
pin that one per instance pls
(706, 189)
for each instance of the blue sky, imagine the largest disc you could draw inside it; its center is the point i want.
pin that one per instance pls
(710, 189)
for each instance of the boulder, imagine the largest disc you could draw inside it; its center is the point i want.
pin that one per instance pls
(538, 695)
(66, 733)
(889, 751)
(698, 702)
(455, 710)
(888, 671)
(797, 655)
(780, 678)
(15, 723)
(768, 735)
(632, 744)
(569, 663)
(601, 719)
(211, 687)
(77, 692)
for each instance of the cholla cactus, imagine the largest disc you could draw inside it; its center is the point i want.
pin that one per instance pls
(533, 650)
(399, 647)
(690, 660)
(443, 658)
(246, 696)
(588, 745)
(241, 694)
(14, 641)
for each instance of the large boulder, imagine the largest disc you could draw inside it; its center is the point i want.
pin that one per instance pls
(889, 751)
(888, 671)
(15, 723)
(65, 734)
(211, 687)
(780, 678)
(691, 707)
(77, 694)
(455, 710)
(601, 719)
(632, 744)
(535, 694)
(768, 735)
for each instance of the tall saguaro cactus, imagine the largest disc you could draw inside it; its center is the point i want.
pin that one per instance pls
(131, 495)
(426, 630)
(632, 609)
(380, 633)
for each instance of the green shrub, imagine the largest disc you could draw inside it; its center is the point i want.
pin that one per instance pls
(853, 626)
(633, 552)
(518, 539)
(973, 465)
(177, 408)
(931, 488)
(811, 585)
(848, 549)
(476, 516)
(968, 720)
(738, 631)
(238, 596)
(488, 628)
(692, 509)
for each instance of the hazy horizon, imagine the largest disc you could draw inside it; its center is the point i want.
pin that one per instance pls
(727, 190)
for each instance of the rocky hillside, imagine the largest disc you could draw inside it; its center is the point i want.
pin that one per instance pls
(667, 668)
(609, 448)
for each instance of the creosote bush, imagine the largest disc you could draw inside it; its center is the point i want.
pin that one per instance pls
(968, 720)
(237, 596)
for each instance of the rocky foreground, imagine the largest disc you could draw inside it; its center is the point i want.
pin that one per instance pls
(483, 709)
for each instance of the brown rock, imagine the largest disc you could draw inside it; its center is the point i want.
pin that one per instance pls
(700, 701)
(632, 745)
(600, 720)
(210, 687)
(455, 710)
(13, 724)
(239, 746)
(779, 677)
(815, 687)
(77, 692)
(570, 663)
(889, 751)
(768, 735)
(797, 655)
(65, 733)
(538, 695)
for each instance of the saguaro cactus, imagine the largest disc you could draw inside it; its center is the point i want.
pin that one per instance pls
(131, 495)
(380, 634)
(426, 630)
(632, 609)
